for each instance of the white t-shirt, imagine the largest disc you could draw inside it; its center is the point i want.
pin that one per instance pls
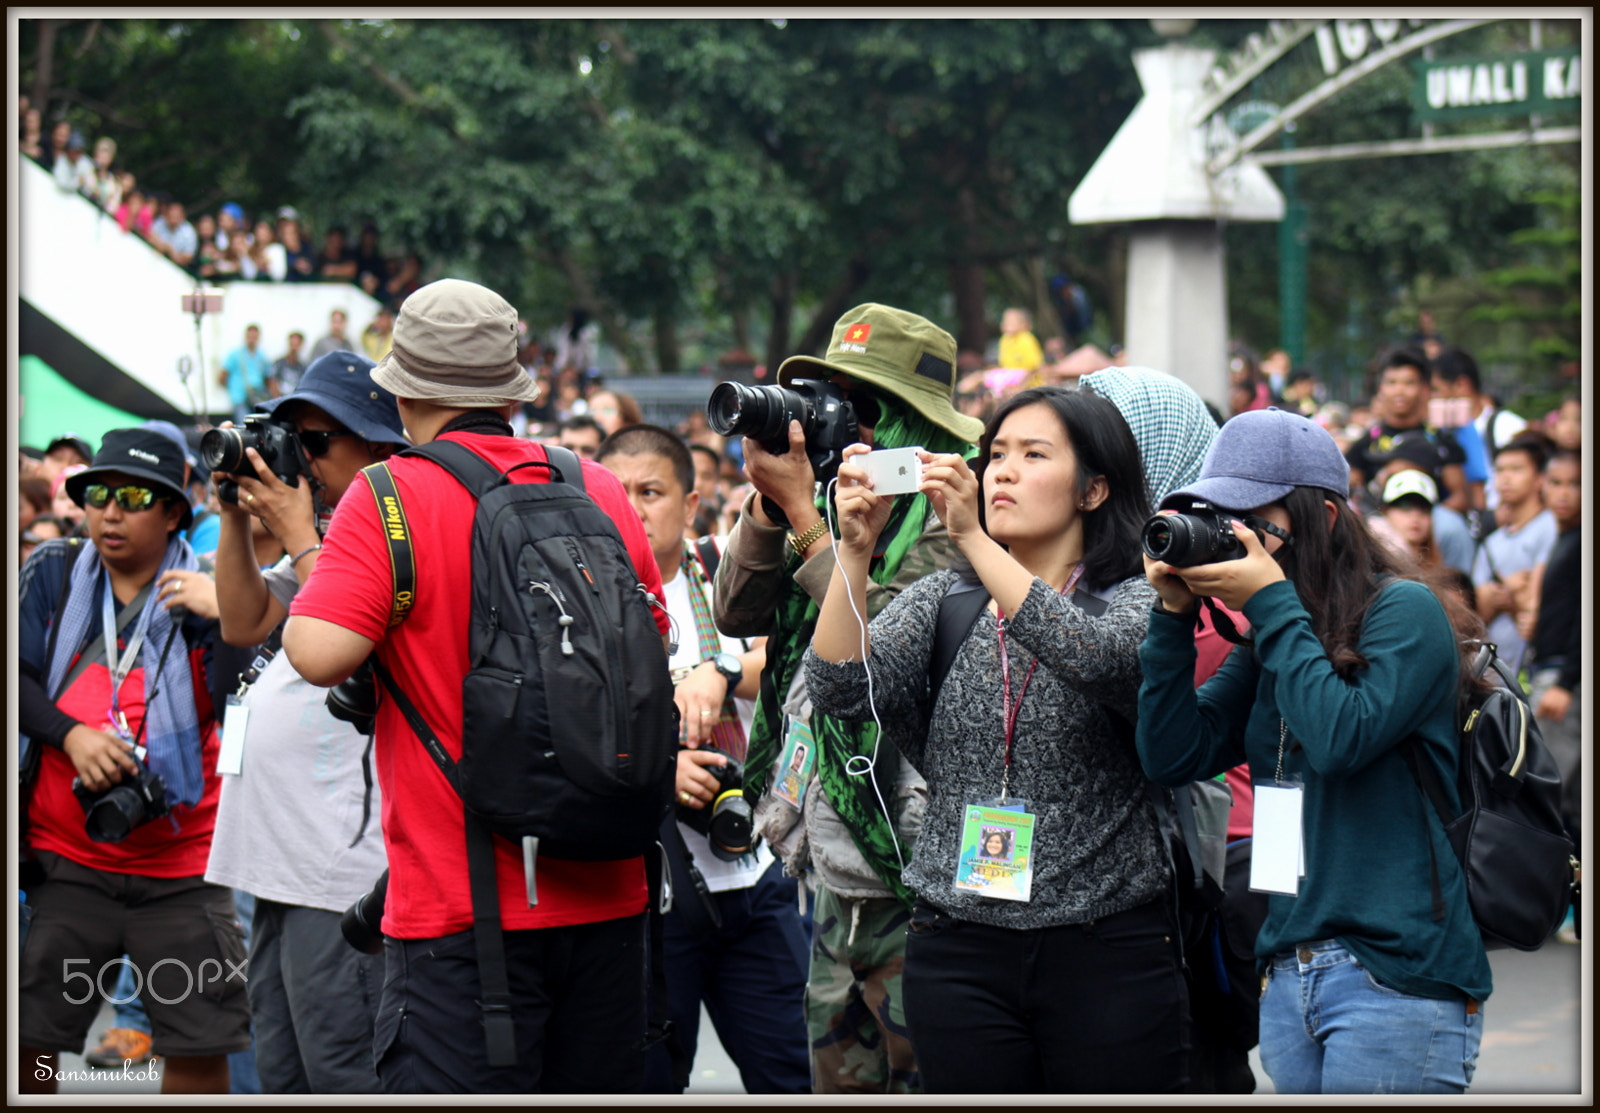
(720, 876)
(285, 823)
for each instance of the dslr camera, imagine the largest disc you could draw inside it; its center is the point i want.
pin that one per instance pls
(355, 700)
(727, 823)
(111, 815)
(1200, 535)
(362, 923)
(763, 413)
(222, 450)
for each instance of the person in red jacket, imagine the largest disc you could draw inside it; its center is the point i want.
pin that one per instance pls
(575, 958)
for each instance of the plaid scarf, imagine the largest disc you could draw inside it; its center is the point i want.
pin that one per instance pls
(728, 737)
(171, 724)
(1169, 422)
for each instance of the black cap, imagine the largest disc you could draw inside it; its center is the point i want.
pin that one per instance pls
(72, 440)
(141, 454)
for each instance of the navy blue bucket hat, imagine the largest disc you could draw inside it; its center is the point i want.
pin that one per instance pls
(340, 384)
(1260, 456)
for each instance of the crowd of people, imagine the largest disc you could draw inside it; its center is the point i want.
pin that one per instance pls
(948, 709)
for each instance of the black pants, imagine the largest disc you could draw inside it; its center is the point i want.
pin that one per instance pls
(1096, 1008)
(577, 999)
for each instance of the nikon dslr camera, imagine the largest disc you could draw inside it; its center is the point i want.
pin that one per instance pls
(111, 815)
(1201, 535)
(827, 417)
(222, 450)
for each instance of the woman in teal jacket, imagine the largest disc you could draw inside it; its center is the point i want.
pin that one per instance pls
(1373, 985)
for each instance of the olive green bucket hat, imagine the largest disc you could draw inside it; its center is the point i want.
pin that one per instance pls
(900, 353)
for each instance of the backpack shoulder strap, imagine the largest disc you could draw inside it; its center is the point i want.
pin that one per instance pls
(565, 462)
(469, 469)
(958, 612)
(705, 548)
(77, 546)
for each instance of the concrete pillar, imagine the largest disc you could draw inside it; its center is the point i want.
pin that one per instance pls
(1152, 177)
(1177, 304)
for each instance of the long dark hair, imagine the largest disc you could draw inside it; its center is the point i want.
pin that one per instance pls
(1338, 573)
(1104, 446)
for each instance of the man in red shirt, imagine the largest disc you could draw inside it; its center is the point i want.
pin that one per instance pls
(109, 671)
(575, 958)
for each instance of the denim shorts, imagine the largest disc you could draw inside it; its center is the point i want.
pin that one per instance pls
(1329, 1027)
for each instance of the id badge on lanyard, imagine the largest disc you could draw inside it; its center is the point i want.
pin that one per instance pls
(995, 859)
(119, 665)
(1277, 846)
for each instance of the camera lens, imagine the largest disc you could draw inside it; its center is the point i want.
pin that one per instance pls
(223, 450)
(736, 410)
(1166, 538)
(732, 825)
(362, 923)
(114, 815)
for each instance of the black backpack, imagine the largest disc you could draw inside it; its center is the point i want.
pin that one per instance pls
(1519, 864)
(569, 730)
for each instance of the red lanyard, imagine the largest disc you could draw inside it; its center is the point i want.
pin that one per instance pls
(1008, 713)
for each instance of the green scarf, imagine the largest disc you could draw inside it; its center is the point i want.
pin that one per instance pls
(839, 740)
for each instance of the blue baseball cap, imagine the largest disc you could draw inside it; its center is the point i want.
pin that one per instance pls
(1260, 456)
(340, 384)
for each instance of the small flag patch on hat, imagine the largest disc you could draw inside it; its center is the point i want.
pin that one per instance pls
(855, 337)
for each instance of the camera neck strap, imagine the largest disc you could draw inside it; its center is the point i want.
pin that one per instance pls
(397, 530)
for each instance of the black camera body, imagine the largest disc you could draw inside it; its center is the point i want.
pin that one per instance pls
(355, 700)
(111, 815)
(362, 923)
(728, 823)
(1200, 535)
(763, 413)
(222, 450)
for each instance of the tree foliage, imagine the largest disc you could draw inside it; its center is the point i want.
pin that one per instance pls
(700, 184)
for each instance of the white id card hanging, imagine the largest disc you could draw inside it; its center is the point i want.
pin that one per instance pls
(230, 755)
(1277, 844)
(1275, 840)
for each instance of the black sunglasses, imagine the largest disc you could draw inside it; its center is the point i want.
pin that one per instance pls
(130, 498)
(316, 441)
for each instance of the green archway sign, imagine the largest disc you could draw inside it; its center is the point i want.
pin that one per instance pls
(1538, 82)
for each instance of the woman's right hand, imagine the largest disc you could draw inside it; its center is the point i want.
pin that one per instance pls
(1176, 598)
(862, 513)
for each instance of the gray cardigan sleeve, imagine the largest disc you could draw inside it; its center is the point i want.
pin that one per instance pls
(1097, 655)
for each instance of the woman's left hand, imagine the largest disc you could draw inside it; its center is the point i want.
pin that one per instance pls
(953, 489)
(1233, 582)
(196, 592)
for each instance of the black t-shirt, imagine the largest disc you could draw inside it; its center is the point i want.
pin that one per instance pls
(1427, 446)
(1559, 634)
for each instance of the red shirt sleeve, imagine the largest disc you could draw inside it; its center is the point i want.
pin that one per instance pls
(607, 491)
(352, 586)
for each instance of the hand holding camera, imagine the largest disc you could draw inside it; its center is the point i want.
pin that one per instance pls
(1206, 552)
(259, 469)
(99, 757)
(784, 477)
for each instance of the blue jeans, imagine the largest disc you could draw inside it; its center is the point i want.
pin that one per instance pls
(1329, 1027)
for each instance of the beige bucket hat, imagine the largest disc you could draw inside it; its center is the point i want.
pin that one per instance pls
(455, 344)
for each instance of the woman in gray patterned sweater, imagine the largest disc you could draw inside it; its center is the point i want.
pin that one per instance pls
(1053, 966)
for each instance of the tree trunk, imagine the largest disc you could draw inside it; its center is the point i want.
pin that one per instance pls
(44, 71)
(966, 282)
(612, 326)
(840, 298)
(666, 331)
(779, 323)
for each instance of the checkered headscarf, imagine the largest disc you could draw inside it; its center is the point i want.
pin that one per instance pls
(1169, 421)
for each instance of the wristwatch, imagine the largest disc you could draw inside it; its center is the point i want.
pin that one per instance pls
(728, 665)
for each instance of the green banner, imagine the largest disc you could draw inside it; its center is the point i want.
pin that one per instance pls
(1538, 82)
(52, 406)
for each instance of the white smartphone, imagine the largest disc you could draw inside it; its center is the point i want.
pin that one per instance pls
(893, 471)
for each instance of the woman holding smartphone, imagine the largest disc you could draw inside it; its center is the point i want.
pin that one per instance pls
(1053, 966)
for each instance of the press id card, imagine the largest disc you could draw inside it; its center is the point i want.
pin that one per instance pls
(996, 858)
(230, 755)
(1277, 845)
(795, 764)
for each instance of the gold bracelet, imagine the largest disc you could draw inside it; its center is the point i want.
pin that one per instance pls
(805, 540)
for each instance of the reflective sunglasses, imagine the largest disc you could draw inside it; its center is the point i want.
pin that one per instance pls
(316, 442)
(129, 498)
